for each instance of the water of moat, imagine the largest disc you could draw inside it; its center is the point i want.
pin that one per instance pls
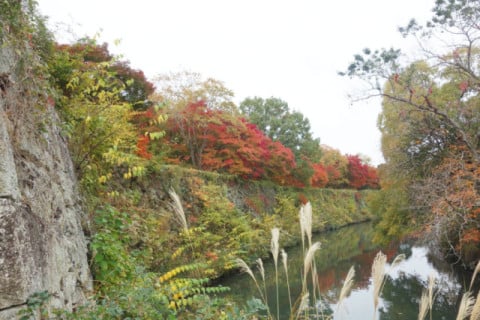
(353, 245)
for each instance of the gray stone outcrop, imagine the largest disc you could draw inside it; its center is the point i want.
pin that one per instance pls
(42, 244)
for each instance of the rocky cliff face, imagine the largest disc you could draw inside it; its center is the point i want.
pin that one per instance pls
(42, 245)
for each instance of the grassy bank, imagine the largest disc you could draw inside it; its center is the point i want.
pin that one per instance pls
(229, 216)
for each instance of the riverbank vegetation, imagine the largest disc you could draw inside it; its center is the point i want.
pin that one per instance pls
(430, 130)
(308, 298)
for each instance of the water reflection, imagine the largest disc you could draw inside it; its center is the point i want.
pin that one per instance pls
(353, 246)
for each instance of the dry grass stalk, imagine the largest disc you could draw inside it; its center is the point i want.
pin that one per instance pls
(307, 262)
(398, 259)
(475, 272)
(275, 248)
(260, 268)
(177, 207)
(303, 305)
(431, 285)
(466, 306)
(426, 301)
(302, 220)
(242, 265)
(347, 286)
(476, 309)
(262, 273)
(274, 244)
(475, 315)
(285, 267)
(308, 222)
(378, 275)
(424, 305)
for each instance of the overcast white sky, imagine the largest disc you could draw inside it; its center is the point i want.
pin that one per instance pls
(286, 49)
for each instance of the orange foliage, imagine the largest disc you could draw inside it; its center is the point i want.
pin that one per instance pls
(457, 180)
(302, 198)
(361, 175)
(327, 279)
(320, 176)
(471, 236)
(218, 141)
(142, 147)
(333, 174)
(373, 180)
(357, 172)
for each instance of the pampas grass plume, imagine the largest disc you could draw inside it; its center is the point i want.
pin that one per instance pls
(378, 275)
(178, 209)
(476, 309)
(308, 222)
(466, 306)
(475, 272)
(274, 244)
(302, 220)
(240, 263)
(260, 268)
(347, 286)
(303, 304)
(424, 305)
(307, 262)
(285, 267)
(243, 266)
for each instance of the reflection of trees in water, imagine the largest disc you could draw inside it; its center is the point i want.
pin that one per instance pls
(401, 297)
(331, 279)
(353, 246)
(340, 250)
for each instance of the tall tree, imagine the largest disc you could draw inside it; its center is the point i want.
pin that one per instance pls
(291, 128)
(336, 166)
(97, 118)
(180, 89)
(136, 88)
(430, 117)
(188, 129)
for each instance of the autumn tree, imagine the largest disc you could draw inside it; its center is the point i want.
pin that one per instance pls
(239, 147)
(320, 176)
(136, 88)
(150, 127)
(97, 118)
(357, 172)
(205, 126)
(336, 166)
(361, 174)
(216, 140)
(274, 117)
(430, 117)
(187, 132)
(180, 89)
